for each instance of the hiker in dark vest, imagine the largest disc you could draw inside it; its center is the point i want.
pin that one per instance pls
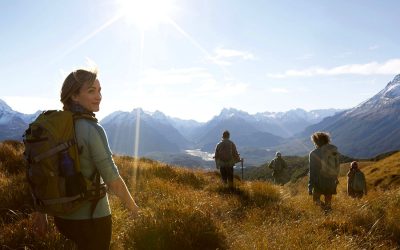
(323, 170)
(81, 92)
(226, 155)
(356, 184)
(279, 167)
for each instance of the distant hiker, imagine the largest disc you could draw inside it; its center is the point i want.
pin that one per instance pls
(356, 184)
(323, 170)
(279, 167)
(226, 155)
(89, 226)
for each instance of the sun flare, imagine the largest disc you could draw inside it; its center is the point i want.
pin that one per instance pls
(146, 14)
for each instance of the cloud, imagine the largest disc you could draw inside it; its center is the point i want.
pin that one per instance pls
(174, 76)
(389, 67)
(279, 90)
(225, 57)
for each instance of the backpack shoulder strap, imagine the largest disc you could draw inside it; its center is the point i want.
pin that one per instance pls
(100, 190)
(87, 116)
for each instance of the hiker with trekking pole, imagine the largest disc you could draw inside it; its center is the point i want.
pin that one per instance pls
(242, 160)
(226, 156)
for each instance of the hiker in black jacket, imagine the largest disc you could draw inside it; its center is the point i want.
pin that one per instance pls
(226, 155)
(279, 168)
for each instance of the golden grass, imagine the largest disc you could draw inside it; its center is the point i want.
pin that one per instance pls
(191, 209)
(14, 193)
(384, 174)
(11, 160)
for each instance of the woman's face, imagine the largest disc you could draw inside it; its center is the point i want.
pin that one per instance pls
(89, 97)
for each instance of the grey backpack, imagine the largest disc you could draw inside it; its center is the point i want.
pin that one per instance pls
(358, 182)
(330, 165)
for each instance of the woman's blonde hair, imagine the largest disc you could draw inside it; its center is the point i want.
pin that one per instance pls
(320, 138)
(73, 84)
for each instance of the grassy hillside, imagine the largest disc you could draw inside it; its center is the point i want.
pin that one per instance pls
(298, 167)
(384, 174)
(186, 209)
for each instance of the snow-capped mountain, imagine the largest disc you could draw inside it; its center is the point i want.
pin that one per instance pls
(387, 99)
(162, 133)
(6, 113)
(12, 123)
(368, 129)
(280, 124)
(174, 134)
(296, 115)
(262, 130)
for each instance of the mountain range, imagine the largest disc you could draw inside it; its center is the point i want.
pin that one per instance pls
(164, 137)
(366, 130)
(161, 133)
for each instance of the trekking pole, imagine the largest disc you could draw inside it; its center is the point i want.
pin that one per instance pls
(242, 160)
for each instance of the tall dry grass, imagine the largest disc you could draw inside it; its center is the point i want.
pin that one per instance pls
(11, 160)
(191, 209)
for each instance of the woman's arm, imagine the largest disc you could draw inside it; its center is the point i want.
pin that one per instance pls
(118, 187)
(101, 156)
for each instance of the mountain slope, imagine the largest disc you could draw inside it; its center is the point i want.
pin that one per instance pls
(243, 133)
(12, 123)
(369, 128)
(154, 135)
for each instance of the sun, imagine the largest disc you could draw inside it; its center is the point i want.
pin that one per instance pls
(146, 14)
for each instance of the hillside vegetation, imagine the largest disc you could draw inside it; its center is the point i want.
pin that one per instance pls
(187, 209)
(298, 167)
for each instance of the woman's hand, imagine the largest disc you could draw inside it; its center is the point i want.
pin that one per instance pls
(133, 208)
(40, 224)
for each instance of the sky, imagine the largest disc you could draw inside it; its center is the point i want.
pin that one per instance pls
(192, 58)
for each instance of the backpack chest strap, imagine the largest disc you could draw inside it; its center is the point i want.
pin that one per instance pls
(53, 151)
(61, 200)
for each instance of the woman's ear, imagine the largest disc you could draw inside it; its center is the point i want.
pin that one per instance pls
(74, 98)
